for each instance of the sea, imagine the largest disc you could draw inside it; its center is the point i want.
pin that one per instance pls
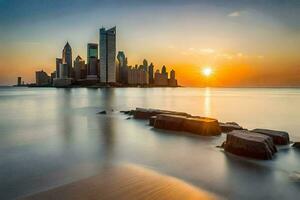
(51, 137)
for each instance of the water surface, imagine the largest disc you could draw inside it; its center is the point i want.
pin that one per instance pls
(51, 137)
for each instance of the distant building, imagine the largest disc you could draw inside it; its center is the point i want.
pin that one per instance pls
(92, 69)
(52, 77)
(64, 79)
(172, 81)
(92, 62)
(58, 62)
(164, 72)
(151, 74)
(67, 59)
(42, 78)
(137, 76)
(19, 81)
(79, 68)
(161, 79)
(92, 51)
(108, 55)
(145, 65)
(122, 68)
(64, 70)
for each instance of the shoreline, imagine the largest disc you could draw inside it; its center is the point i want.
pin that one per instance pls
(96, 86)
(126, 181)
(212, 87)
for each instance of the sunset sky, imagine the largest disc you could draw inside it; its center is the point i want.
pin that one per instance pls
(245, 42)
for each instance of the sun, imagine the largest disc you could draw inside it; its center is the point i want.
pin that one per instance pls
(207, 71)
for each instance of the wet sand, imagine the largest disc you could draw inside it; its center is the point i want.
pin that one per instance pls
(126, 182)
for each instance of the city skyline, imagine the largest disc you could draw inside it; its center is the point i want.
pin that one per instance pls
(103, 68)
(245, 43)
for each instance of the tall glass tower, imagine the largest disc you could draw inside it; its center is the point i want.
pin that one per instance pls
(67, 58)
(107, 45)
(92, 60)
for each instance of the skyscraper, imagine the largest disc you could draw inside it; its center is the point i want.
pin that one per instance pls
(63, 71)
(67, 58)
(145, 64)
(107, 55)
(122, 67)
(92, 51)
(164, 72)
(79, 66)
(151, 73)
(172, 81)
(58, 62)
(92, 61)
(172, 74)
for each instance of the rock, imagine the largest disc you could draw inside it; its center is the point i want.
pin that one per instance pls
(152, 120)
(250, 144)
(127, 112)
(200, 126)
(128, 118)
(229, 126)
(233, 123)
(279, 137)
(169, 122)
(296, 145)
(102, 112)
(142, 113)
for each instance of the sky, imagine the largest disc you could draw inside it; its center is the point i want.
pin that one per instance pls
(244, 42)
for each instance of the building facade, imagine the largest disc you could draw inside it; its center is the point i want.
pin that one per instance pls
(42, 78)
(92, 62)
(122, 68)
(137, 76)
(107, 55)
(63, 71)
(161, 79)
(151, 74)
(52, 77)
(58, 62)
(172, 81)
(79, 69)
(67, 59)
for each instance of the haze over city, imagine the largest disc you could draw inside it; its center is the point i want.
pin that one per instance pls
(243, 43)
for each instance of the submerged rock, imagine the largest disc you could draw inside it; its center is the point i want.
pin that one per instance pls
(279, 137)
(250, 144)
(169, 122)
(152, 120)
(142, 113)
(202, 126)
(230, 126)
(199, 125)
(296, 145)
(102, 112)
(127, 112)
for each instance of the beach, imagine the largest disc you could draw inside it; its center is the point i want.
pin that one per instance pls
(126, 182)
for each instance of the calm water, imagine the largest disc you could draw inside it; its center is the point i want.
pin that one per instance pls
(50, 137)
